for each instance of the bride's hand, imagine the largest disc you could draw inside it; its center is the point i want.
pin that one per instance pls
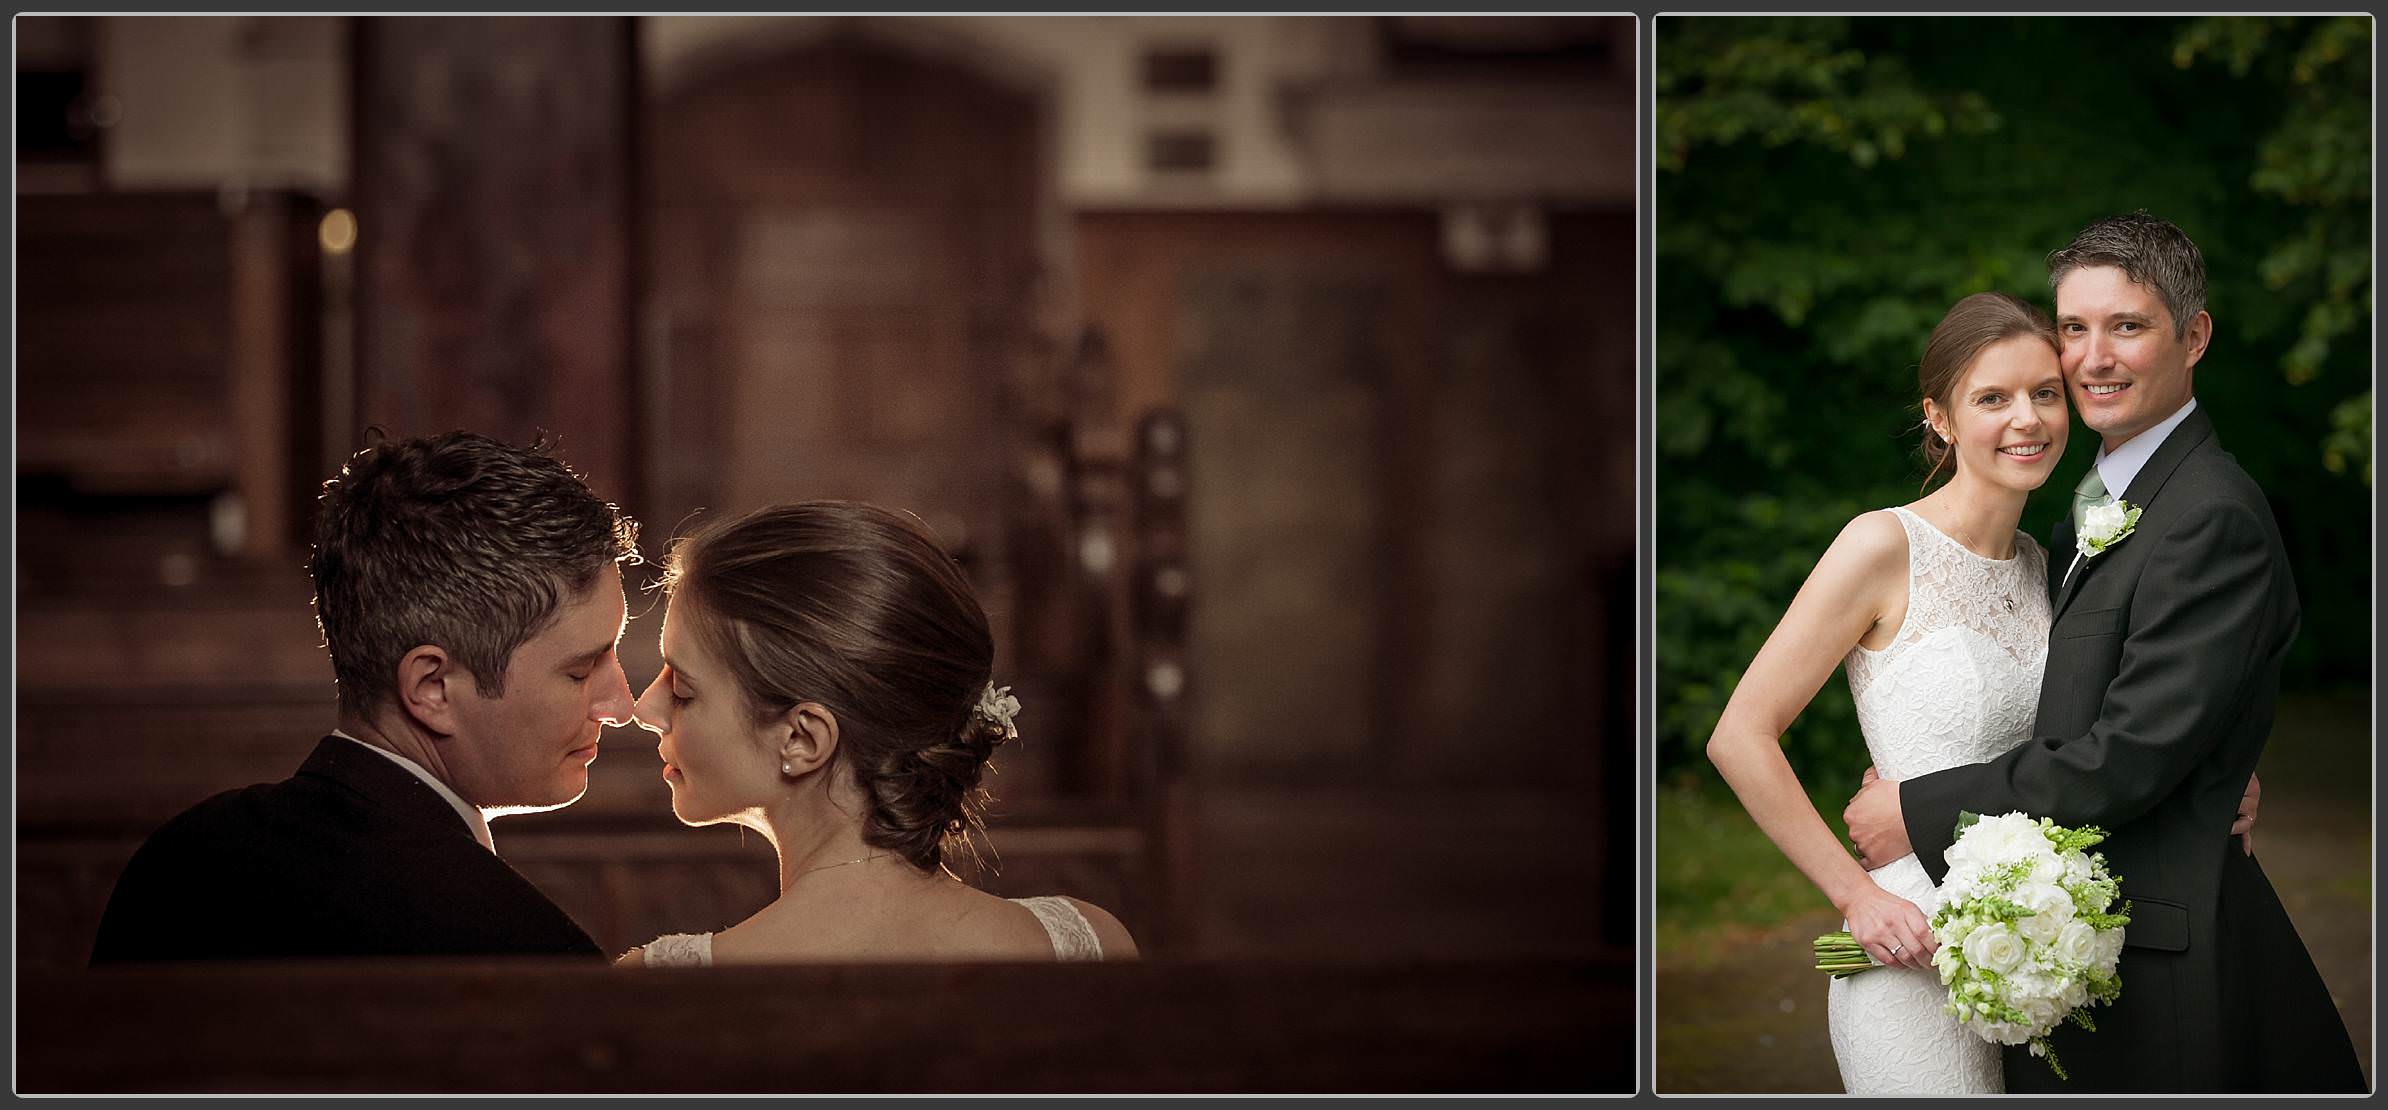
(1890, 928)
(2244, 826)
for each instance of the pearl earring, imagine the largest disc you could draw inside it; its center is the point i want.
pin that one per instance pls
(787, 768)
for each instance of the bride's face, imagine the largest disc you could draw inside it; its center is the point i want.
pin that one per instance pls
(2006, 418)
(716, 756)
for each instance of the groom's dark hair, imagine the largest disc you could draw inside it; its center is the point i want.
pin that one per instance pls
(456, 540)
(2150, 250)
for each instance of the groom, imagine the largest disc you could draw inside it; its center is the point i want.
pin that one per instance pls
(470, 596)
(2163, 665)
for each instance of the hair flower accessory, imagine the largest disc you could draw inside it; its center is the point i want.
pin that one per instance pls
(2103, 526)
(998, 705)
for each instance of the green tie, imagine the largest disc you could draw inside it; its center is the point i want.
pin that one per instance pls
(2091, 491)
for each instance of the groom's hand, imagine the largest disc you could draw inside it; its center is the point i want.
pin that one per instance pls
(2244, 827)
(1875, 824)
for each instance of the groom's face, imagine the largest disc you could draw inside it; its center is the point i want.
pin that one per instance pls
(2124, 363)
(530, 748)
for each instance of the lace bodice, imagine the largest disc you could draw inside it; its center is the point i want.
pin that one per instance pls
(1958, 684)
(679, 950)
(1072, 935)
(1961, 680)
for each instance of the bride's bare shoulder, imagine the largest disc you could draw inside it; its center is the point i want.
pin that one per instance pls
(1872, 543)
(1877, 530)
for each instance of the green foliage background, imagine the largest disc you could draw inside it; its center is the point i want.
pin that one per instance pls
(1826, 188)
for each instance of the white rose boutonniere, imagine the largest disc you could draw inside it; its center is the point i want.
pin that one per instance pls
(2103, 526)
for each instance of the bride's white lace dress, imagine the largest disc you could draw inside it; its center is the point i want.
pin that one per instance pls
(1959, 684)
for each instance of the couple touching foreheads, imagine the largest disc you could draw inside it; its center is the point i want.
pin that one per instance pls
(826, 681)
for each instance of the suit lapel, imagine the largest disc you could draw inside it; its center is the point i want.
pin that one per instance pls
(2193, 430)
(2060, 556)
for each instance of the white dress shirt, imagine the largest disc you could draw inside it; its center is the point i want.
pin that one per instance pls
(473, 818)
(2118, 468)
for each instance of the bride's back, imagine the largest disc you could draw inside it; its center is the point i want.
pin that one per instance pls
(942, 920)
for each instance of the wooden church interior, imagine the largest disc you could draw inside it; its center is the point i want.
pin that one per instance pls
(1272, 377)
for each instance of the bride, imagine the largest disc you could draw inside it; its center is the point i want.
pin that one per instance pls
(1939, 611)
(826, 683)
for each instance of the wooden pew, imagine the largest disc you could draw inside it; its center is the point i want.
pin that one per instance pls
(543, 1026)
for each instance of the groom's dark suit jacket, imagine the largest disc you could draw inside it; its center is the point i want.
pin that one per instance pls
(2163, 665)
(352, 856)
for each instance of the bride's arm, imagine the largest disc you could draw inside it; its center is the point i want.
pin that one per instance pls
(1850, 590)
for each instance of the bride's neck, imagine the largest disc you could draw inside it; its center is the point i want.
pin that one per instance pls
(1981, 515)
(811, 834)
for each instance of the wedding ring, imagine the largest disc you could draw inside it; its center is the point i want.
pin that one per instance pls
(1894, 950)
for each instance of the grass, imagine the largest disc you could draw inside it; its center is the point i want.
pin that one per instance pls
(1717, 876)
(1736, 1000)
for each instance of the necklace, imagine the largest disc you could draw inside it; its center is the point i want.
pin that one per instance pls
(845, 863)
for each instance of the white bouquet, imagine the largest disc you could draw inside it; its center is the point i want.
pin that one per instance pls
(2027, 926)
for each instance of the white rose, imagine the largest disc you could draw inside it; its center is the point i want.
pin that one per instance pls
(1995, 948)
(2043, 1010)
(2047, 867)
(2040, 929)
(2100, 522)
(2013, 838)
(2052, 910)
(2077, 943)
(2038, 996)
(1977, 850)
(2109, 950)
(2003, 1033)
(1964, 856)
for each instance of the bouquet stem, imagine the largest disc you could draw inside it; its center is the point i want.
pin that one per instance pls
(1840, 955)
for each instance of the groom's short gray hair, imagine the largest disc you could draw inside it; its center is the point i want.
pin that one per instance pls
(2151, 250)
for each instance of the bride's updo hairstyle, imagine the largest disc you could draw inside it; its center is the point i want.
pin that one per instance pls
(858, 609)
(1972, 326)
